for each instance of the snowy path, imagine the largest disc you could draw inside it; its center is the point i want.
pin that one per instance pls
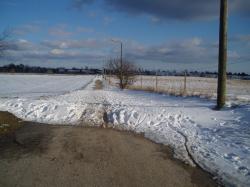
(218, 140)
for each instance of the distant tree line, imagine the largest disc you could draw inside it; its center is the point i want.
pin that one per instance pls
(230, 75)
(12, 68)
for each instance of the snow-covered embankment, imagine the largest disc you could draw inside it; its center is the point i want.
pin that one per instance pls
(217, 140)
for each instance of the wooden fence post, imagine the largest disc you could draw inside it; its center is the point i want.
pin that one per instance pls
(185, 83)
(156, 81)
(141, 81)
(109, 76)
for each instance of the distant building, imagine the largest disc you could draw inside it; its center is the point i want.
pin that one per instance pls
(246, 77)
(74, 71)
(50, 71)
(61, 70)
(85, 71)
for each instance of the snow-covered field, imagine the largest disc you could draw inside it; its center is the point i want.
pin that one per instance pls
(237, 90)
(219, 141)
(19, 85)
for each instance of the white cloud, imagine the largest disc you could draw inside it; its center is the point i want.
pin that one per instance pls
(57, 52)
(60, 31)
(74, 44)
(63, 45)
(25, 29)
(242, 39)
(107, 20)
(155, 19)
(178, 52)
(233, 55)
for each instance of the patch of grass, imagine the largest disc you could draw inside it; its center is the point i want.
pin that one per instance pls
(8, 123)
(145, 88)
(98, 85)
(174, 86)
(173, 91)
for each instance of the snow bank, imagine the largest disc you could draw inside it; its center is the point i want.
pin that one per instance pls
(217, 140)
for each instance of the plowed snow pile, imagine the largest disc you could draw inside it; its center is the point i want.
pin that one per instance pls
(219, 141)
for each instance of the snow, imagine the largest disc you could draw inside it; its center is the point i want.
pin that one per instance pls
(219, 141)
(35, 85)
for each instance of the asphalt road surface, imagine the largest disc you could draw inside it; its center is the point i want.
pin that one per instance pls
(47, 155)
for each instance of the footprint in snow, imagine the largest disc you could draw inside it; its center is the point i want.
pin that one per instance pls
(171, 118)
(71, 111)
(45, 108)
(222, 123)
(135, 114)
(194, 148)
(233, 157)
(30, 112)
(160, 115)
(150, 123)
(244, 171)
(17, 105)
(71, 115)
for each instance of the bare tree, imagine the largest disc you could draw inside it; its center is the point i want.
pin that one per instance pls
(125, 72)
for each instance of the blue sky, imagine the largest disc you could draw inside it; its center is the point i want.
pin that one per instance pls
(160, 34)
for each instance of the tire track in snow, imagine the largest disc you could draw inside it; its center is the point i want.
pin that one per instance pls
(185, 144)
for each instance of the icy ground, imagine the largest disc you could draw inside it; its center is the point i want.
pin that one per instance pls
(219, 141)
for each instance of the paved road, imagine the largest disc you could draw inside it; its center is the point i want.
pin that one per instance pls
(45, 155)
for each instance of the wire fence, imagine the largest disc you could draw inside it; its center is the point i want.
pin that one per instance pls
(188, 86)
(177, 85)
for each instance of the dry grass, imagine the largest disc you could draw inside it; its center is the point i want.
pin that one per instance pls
(98, 85)
(173, 91)
(195, 86)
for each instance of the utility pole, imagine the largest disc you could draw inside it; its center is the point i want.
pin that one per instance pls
(121, 66)
(222, 66)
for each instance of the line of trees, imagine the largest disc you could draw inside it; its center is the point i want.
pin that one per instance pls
(20, 68)
(12, 68)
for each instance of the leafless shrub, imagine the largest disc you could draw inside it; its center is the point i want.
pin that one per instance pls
(124, 71)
